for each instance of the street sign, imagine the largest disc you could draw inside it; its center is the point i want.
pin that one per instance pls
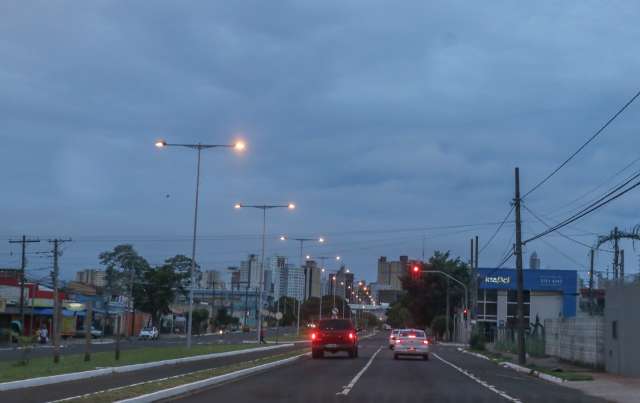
(279, 315)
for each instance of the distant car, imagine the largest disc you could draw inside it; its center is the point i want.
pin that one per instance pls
(95, 333)
(149, 333)
(411, 342)
(392, 337)
(334, 335)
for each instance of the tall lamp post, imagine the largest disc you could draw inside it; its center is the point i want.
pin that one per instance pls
(322, 270)
(264, 208)
(238, 146)
(302, 241)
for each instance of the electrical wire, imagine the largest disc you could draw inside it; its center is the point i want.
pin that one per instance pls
(585, 144)
(496, 231)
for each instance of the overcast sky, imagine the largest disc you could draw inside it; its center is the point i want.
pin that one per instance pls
(380, 120)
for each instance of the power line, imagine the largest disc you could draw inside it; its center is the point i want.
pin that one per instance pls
(560, 233)
(497, 230)
(596, 134)
(603, 201)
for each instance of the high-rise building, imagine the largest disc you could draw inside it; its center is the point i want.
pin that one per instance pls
(295, 282)
(235, 278)
(278, 267)
(212, 280)
(250, 272)
(92, 277)
(312, 278)
(391, 273)
(534, 261)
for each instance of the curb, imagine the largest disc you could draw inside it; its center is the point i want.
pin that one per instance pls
(190, 387)
(518, 368)
(75, 376)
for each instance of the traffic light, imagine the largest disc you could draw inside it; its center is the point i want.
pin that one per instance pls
(465, 313)
(415, 270)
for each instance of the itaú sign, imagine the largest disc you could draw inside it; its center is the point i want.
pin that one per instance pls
(498, 279)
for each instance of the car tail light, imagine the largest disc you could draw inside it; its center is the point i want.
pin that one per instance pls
(351, 336)
(412, 336)
(425, 341)
(398, 341)
(314, 336)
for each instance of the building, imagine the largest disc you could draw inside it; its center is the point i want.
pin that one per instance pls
(250, 272)
(94, 277)
(235, 277)
(383, 293)
(548, 294)
(534, 261)
(391, 273)
(278, 267)
(295, 282)
(212, 280)
(313, 278)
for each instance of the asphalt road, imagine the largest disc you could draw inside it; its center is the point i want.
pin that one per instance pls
(76, 346)
(441, 379)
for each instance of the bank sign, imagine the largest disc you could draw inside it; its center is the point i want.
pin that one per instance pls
(564, 282)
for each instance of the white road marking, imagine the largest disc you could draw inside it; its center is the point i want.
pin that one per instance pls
(478, 380)
(353, 382)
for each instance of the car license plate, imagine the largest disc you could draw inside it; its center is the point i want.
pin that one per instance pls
(332, 346)
(412, 349)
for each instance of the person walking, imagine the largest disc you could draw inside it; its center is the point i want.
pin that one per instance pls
(262, 341)
(43, 334)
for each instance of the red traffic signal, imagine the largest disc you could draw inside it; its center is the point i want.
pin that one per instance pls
(416, 269)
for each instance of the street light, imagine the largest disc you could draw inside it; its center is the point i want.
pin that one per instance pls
(264, 208)
(302, 241)
(160, 143)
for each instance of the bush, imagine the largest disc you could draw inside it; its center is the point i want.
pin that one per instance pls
(477, 340)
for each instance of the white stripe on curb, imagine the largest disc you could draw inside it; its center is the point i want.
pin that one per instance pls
(190, 387)
(353, 382)
(478, 380)
(74, 376)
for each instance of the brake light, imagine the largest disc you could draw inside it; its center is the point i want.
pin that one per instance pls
(351, 336)
(313, 336)
(412, 336)
(398, 341)
(425, 341)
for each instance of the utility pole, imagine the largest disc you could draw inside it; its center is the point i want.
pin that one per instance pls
(88, 320)
(621, 265)
(592, 253)
(23, 264)
(56, 298)
(448, 313)
(522, 358)
(616, 253)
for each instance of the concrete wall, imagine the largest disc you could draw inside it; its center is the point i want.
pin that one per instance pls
(546, 305)
(622, 354)
(579, 340)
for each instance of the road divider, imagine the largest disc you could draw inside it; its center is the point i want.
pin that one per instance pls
(478, 380)
(356, 378)
(75, 376)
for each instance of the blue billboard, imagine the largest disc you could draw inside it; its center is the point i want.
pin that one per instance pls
(562, 281)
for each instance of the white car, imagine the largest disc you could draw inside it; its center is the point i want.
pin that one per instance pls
(411, 342)
(392, 338)
(149, 333)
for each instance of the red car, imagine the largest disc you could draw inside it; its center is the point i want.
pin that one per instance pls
(334, 335)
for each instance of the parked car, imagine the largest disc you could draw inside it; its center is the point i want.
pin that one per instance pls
(334, 335)
(149, 333)
(95, 333)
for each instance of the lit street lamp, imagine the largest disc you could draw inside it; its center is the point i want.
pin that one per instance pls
(264, 208)
(238, 146)
(302, 241)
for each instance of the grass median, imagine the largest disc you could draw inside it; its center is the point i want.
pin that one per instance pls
(144, 388)
(44, 366)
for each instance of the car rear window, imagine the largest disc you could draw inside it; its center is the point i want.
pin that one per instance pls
(419, 334)
(335, 325)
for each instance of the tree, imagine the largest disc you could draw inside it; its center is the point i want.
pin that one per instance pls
(289, 308)
(200, 317)
(182, 266)
(223, 319)
(425, 296)
(398, 316)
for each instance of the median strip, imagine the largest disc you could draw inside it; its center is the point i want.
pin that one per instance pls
(171, 387)
(231, 350)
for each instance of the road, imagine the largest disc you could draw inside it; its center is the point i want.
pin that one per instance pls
(76, 346)
(386, 380)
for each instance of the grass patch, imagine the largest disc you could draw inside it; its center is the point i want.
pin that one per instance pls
(44, 366)
(567, 376)
(128, 392)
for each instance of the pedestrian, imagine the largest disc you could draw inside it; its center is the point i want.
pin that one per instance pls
(43, 333)
(262, 341)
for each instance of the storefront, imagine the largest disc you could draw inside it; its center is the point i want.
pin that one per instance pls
(548, 294)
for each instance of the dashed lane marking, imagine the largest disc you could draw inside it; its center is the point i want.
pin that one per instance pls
(355, 379)
(478, 380)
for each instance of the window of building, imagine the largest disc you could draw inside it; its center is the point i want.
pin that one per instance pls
(512, 296)
(487, 305)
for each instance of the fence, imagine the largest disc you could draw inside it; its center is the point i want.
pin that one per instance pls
(579, 340)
